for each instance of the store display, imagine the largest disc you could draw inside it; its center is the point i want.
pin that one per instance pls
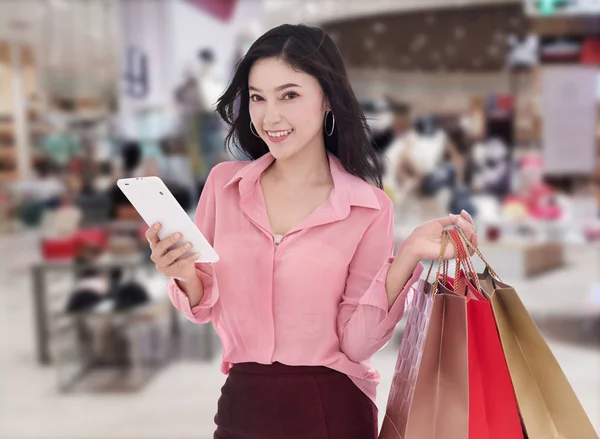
(491, 168)
(523, 52)
(590, 52)
(522, 258)
(569, 106)
(25, 74)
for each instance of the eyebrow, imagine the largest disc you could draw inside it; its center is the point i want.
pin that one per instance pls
(281, 87)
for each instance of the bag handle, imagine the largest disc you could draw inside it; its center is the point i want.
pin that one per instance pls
(459, 238)
(442, 269)
(441, 263)
(478, 252)
(457, 258)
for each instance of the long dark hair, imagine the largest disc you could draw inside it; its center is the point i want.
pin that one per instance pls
(312, 51)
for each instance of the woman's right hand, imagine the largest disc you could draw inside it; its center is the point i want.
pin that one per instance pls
(171, 262)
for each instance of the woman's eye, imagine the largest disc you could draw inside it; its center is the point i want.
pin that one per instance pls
(256, 98)
(290, 95)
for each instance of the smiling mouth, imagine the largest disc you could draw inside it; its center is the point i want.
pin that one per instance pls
(279, 134)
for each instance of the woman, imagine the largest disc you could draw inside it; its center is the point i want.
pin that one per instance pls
(306, 290)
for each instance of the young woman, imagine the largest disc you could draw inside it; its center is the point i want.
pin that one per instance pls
(306, 290)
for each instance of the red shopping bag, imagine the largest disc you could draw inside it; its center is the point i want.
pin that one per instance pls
(56, 249)
(96, 236)
(493, 410)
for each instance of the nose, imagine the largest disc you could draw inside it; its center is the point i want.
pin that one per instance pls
(272, 115)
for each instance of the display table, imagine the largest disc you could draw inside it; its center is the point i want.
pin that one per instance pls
(44, 309)
(523, 259)
(105, 351)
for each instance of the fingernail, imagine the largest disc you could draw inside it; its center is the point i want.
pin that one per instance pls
(177, 235)
(196, 255)
(156, 226)
(188, 245)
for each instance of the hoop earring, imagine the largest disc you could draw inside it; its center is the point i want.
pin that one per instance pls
(329, 133)
(253, 130)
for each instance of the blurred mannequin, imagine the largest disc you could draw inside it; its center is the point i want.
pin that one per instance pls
(538, 196)
(209, 86)
(490, 168)
(380, 115)
(420, 165)
(198, 96)
(423, 176)
(395, 136)
(200, 88)
(523, 52)
(423, 152)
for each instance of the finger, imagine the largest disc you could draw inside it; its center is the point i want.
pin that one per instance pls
(466, 215)
(450, 220)
(172, 256)
(164, 244)
(152, 234)
(466, 227)
(181, 263)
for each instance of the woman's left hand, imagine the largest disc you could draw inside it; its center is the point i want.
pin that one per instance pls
(426, 240)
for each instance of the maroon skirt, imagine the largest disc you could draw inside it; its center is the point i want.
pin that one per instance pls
(293, 402)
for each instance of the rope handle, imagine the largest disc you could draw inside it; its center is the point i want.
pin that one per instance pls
(445, 239)
(478, 252)
(464, 257)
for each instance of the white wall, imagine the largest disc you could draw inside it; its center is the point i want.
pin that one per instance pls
(143, 26)
(193, 29)
(170, 33)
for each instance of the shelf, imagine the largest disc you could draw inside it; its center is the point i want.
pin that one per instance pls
(6, 129)
(8, 176)
(7, 153)
(35, 129)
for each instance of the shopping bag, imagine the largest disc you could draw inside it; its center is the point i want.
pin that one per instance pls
(493, 410)
(429, 396)
(548, 405)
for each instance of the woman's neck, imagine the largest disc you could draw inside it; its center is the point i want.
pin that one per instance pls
(310, 167)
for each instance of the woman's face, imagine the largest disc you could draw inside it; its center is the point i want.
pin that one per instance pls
(287, 107)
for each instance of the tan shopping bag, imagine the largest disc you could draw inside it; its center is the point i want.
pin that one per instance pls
(429, 397)
(548, 405)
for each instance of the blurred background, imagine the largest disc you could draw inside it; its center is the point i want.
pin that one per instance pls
(487, 105)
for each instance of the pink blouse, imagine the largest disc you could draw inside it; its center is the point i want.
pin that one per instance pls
(317, 298)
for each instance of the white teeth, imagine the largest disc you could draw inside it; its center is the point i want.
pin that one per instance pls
(279, 133)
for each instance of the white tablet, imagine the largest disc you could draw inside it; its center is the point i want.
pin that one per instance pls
(155, 204)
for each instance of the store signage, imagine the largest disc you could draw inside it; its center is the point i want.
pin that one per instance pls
(221, 9)
(135, 76)
(550, 8)
(569, 120)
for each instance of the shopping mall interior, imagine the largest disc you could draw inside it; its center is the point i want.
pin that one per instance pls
(486, 105)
